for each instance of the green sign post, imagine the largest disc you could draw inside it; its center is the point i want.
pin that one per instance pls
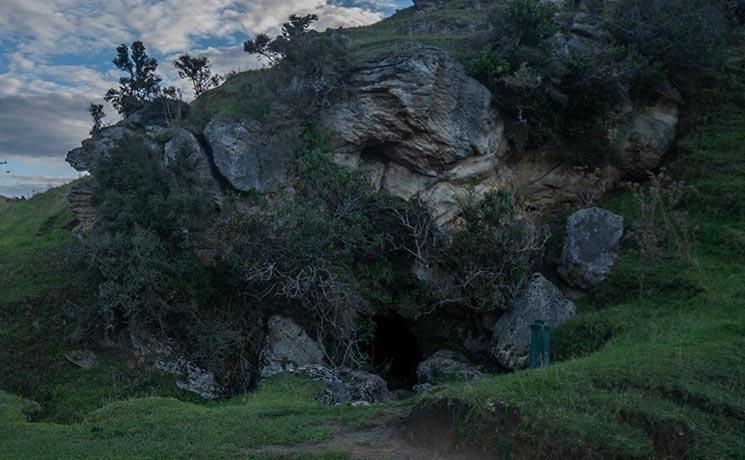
(540, 344)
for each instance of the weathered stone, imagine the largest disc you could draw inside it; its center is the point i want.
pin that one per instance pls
(99, 146)
(287, 348)
(422, 388)
(645, 136)
(335, 391)
(183, 148)
(539, 300)
(162, 356)
(345, 385)
(419, 110)
(82, 358)
(81, 205)
(590, 247)
(447, 365)
(547, 181)
(364, 386)
(250, 155)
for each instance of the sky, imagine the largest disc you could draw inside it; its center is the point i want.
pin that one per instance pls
(55, 59)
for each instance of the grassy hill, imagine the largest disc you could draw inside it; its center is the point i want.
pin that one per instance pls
(653, 374)
(657, 374)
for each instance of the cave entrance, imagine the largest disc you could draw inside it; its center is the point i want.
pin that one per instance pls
(395, 350)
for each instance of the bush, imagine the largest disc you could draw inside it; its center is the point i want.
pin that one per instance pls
(526, 22)
(491, 257)
(686, 36)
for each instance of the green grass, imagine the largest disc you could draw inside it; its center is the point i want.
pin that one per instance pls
(282, 411)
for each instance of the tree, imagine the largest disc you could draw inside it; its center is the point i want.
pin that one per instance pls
(140, 85)
(197, 69)
(97, 113)
(276, 50)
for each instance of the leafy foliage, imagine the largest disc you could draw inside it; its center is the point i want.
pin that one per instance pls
(97, 114)
(197, 70)
(686, 36)
(140, 84)
(491, 257)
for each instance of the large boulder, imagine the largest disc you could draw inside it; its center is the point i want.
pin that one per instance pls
(287, 347)
(539, 300)
(418, 109)
(249, 155)
(446, 365)
(591, 246)
(645, 135)
(182, 151)
(429, 126)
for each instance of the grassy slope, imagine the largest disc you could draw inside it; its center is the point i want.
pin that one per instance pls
(33, 296)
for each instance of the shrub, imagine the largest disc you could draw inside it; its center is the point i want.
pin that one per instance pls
(526, 22)
(686, 36)
(491, 257)
(661, 230)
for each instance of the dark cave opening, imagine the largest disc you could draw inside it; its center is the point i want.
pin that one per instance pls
(395, 350)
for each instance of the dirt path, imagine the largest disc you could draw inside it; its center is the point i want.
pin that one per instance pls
(379, 443)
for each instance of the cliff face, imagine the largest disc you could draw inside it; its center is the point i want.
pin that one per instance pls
(422, 129)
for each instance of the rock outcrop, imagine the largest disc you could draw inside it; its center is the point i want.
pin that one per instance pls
(539, 300)
(81, 205)
(287, 348)
(446, 365)
(249, 155)
(430, 125)
(590, 247)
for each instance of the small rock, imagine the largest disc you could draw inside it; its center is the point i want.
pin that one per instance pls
(200, 382)
(364, 386)
(447, 365)
(360, 404)
(422, 388)
(31, 410)
(82, 358)
(590, 247)
(335, 390)
(539, 300)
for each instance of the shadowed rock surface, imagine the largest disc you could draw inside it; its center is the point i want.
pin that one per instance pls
(590, 247)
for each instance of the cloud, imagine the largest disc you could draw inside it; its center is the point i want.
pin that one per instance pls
(42, 125)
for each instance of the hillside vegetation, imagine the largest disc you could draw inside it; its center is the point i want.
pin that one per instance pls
(653, 366)
(654, 374)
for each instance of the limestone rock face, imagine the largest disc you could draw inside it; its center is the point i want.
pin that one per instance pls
(590, 247)
(287, 348)
(419, 110)
(446, 365)
(430, 124)
(539, 300)
(248, 156)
